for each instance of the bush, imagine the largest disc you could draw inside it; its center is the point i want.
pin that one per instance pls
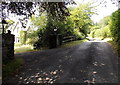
(115, 25)
(78, 34)
(92, 34)
(106, 32)
(31, 41)
(98, 33)
(115, 28)
(101, 33)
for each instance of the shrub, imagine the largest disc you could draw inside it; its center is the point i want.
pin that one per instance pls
(115, 28)
(78, 34)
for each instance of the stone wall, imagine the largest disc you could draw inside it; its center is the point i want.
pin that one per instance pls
(7, 46)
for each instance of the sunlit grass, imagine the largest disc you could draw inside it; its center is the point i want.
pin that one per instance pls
(28, 48)
(17, 44)
(23, 48)
(73, 43)
(10, 68)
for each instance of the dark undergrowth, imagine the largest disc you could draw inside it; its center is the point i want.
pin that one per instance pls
(116, 46)
(11, 68)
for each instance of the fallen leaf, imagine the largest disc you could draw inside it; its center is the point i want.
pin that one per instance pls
(94, 72)
(40, 79)
(20, 77)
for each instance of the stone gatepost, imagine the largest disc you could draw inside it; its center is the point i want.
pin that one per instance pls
(7, 46)
(55, 40)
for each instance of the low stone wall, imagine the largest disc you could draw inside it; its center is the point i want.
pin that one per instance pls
(7, 46)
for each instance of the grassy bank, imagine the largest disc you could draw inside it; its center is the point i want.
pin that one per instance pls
(73, 43)
(10, 68)
(115, 46)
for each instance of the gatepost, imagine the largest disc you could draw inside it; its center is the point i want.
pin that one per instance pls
(7, 46)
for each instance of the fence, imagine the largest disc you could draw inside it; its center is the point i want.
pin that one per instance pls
(68, 39)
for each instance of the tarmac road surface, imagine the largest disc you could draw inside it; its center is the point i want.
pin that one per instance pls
(89, 62)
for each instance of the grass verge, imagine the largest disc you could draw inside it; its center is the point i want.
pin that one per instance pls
(17, 44)
(73, 43)
(28, 48)
(11, 67)
(115, 46)
(23, 48)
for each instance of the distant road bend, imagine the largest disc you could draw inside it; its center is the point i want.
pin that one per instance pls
(89, 62)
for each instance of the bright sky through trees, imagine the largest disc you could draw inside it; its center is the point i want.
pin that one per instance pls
(103, 10)
(106, 8)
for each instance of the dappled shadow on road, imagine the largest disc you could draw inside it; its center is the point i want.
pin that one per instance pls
(90, 62)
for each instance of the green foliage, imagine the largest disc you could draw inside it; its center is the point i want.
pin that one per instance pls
(92, 30)
(68, 27)
(81, 17)
(65, 28)
(101, 29)
(73, 25)
(106, 32)
(31, 41)
(101, 33)
(32, 37)
(92, 33)
(104, 22)
(115, 25)
(94, 27)
(115, 28)
(78, 34)
(39, 21)
(23, 37)
(98, 33)
(56, 10)
(10, 22)
(115, 46)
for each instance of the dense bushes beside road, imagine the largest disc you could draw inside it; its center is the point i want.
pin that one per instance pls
(115, 28)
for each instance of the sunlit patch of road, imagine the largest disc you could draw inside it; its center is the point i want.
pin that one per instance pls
(99, 40)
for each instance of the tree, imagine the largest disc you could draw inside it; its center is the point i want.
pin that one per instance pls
(115, 25)
(81, 17)
(104, 22)
(54, 10)
(102, 29)
(26, 8)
